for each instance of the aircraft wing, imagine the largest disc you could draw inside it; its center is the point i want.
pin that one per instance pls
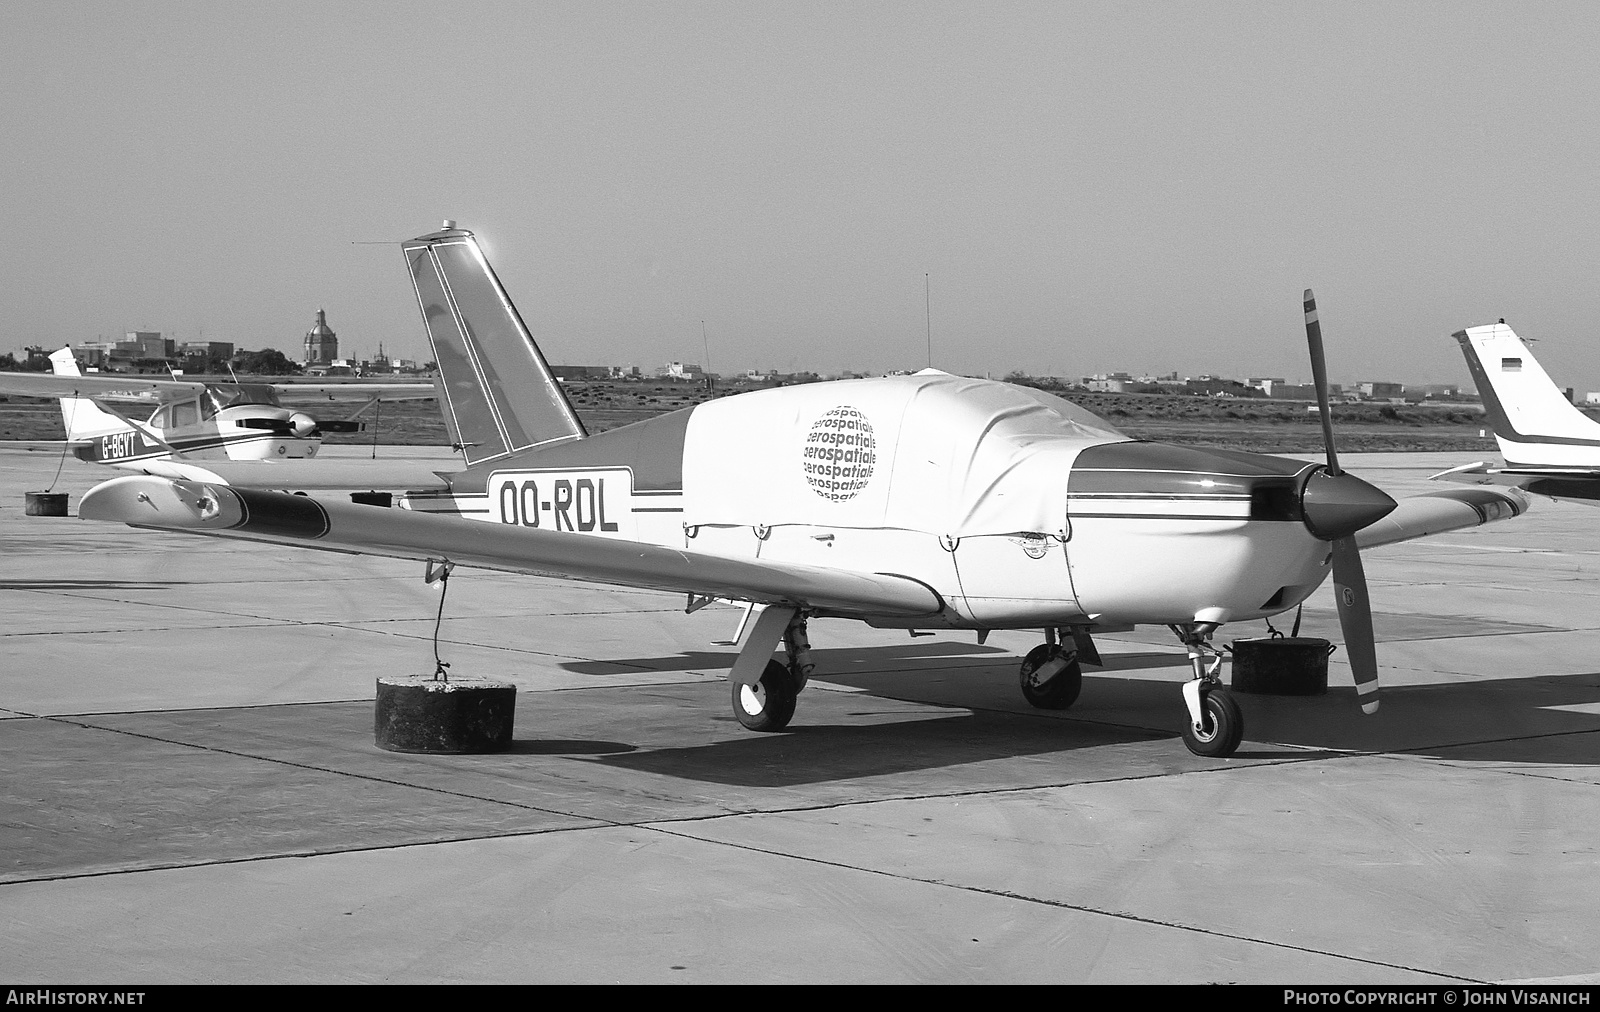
(43, 384)
(201, 508)
(1437, 512)
(326, 473)
(296, 393)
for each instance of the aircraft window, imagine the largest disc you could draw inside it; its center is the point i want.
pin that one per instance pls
(227, 395)
(162, 417)
(185, 413)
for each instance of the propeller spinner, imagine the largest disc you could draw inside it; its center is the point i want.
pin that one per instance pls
(1336, 505)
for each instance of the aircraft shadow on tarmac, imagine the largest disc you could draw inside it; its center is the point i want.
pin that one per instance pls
(827, 659)
(558, 746)
(816, 753)
(1547, 721)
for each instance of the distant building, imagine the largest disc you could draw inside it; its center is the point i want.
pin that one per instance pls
(204, 356)
(1376, 391)
(139, 351)
(569, 373)
(147, 344)
(1119, 383)
(682, 371)
(1433, 392)
(321, 344)
(1292, 391)
(1216, 386)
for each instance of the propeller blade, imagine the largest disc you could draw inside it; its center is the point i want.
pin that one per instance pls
(1355, 621)
(1335, 509)
(1319, 377)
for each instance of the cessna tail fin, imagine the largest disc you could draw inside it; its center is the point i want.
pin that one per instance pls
(1534, 422)
(82, 417)
(499, 394)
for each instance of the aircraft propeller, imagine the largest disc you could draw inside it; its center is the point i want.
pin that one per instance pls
(1336, 505)
(299, 424)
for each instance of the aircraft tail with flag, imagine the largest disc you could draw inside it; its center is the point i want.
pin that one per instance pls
(1534, 422)
(83, 418)
(499, 395)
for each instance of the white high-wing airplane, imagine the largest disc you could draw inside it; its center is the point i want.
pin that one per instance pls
(193, 420)
(919, 502)
(1550, 447)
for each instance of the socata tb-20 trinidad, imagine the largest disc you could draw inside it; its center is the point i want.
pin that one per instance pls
(195, 420)
(924, 502)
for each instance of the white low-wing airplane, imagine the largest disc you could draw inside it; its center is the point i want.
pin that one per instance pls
(921, 502)
(1550, 447)
(194, 420)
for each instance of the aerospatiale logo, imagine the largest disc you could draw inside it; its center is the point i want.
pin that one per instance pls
(839, 454)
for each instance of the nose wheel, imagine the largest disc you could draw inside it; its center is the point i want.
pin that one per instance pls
(1220, 728)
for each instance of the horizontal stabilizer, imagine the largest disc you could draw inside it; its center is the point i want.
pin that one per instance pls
(1437, 512)
(393, 475)
(203, 508)
(1578, 484)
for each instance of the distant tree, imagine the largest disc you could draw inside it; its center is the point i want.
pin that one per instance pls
(37, 361)
(266, 362)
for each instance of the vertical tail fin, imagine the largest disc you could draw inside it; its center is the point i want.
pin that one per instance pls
(81, 416)
(498, 391)
(1534, 422)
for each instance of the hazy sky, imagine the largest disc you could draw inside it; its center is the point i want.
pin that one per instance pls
(1089, 186)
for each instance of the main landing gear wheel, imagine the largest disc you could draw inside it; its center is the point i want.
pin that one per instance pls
(769, 704)
(1222, 726)
(1059, 685)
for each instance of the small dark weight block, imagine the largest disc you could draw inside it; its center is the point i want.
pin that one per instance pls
(1285, 666)
(44, 504)
(461, 716)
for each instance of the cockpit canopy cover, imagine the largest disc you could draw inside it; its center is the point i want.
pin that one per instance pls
(932, 452)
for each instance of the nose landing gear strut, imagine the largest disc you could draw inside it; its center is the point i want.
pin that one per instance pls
(1215, 726)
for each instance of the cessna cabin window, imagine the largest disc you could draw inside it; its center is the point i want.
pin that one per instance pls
(184, 413)
(228, 395)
